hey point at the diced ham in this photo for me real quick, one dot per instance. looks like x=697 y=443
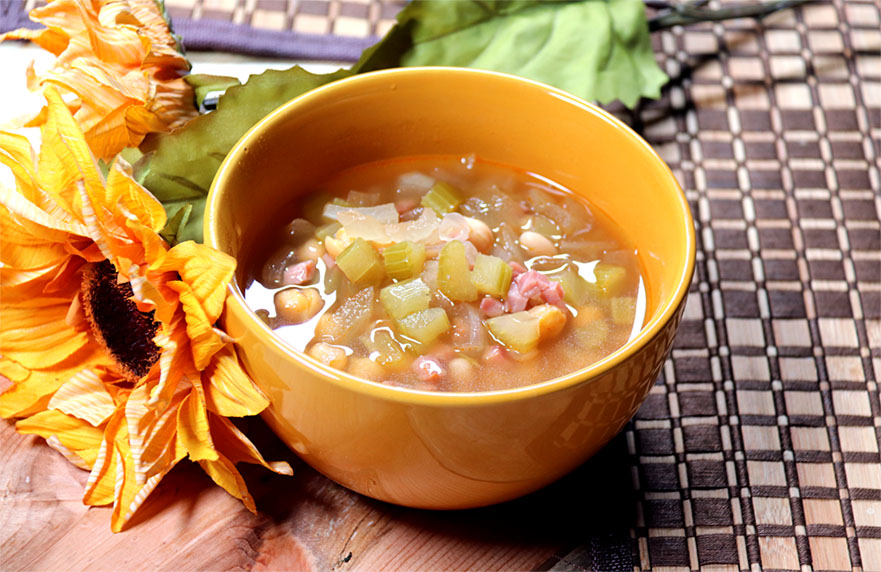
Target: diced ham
x=492 y=307
x=553 y=294
x=428 y=369
x=517 y=268
x=495 y=356
x=515 y=301
x=299 y=273
x=531 y=283
x=532 y=288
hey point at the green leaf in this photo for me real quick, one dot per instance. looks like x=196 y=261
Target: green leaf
x=174 y=225
x=203 y=84
x=178 y=167
x=596 y=49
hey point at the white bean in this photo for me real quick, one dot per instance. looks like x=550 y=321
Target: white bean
x=537 y=244
x=479 y=234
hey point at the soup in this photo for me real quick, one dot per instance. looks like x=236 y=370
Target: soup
x=443 y=273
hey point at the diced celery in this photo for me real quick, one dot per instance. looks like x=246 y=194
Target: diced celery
x=491 y=275
x=609 y=280
x=404 y=298
x=593 y=335
x=384 y=349
x=313 y=207
x=425 y=326
x=442 y=198
x=341 y=202
x=404 y=260
x=332 y=279
x=518 y=331
x=623 y=309
x=575 y=288
x=454 y=277
x=328 y=229
x=348 y=319
x=361 y=263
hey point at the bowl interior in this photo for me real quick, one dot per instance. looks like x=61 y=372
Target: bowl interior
x=454 y=111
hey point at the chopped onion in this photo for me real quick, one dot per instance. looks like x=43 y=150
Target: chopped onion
x=414 y=183
x=364 y=226
x=423 y=229
x=360 y=199
x=385 y=213
x=357 y=224
x=453 y=227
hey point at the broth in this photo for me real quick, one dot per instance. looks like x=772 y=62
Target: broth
x=445 y=273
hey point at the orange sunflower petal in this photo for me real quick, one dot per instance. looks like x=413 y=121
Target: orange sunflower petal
x=152 y=432
x=239 y=449
x=34 y=333
x=84 y=396
x=122 y=190
x=101 y=486
x=193 y=432
x=229 y=391
x=205 y=270
x=129 y=492
x=33 y=388
x=121 y=62
x=224 y=473
x=204 y=339
x=75 y=434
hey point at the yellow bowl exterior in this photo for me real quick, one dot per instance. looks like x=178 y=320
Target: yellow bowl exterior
x=452 y=450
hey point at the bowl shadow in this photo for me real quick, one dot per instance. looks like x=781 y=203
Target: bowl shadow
x=585 y=518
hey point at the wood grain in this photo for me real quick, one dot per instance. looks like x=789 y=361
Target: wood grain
x=306 y=522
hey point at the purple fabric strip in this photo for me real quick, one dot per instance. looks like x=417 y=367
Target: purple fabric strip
x=219 y=35
x=13 y=16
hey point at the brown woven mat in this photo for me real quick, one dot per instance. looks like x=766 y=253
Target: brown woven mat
x=759 y=446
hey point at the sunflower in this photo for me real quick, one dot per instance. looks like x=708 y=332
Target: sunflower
x=118 y=66
x=107 y=335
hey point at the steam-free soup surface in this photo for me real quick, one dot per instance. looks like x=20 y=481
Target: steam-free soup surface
x=448 y=274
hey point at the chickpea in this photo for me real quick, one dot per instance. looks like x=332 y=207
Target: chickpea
x=312 y=249
x=479 y=234
x=328 y=327
x=462 y=374
x=537 y=244
x=334 y=356
x=550 y=320
x=337 y=243
x=587 y=316
x=295 y=306
x=366 y=368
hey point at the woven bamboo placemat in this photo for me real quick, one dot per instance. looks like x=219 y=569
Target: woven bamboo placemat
x=758 y=448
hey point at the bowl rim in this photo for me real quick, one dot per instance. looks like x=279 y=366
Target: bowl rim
x=649 y=331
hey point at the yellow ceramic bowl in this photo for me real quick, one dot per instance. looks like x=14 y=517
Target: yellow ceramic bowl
x=452 y=450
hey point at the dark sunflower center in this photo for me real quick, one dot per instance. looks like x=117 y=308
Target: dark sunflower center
x=117 y=324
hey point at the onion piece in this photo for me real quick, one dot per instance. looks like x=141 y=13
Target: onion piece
x=423 y=229
x=414 y=182
x=384 y=213
x=364 y=226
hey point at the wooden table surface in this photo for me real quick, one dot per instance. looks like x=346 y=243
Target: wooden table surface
x=305 y=522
